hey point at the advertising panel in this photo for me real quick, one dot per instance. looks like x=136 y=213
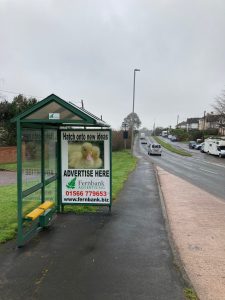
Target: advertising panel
x=86 y=173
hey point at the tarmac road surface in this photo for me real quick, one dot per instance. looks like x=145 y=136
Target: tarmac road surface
x=125 y=255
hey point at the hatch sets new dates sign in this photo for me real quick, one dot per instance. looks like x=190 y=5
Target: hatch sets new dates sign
x=86 y=167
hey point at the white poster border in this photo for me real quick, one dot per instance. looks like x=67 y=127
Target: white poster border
x=82 y=182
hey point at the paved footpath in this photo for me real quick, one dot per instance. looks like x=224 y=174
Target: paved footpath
x=7 y=177
x=197 y=224
x=124 y=256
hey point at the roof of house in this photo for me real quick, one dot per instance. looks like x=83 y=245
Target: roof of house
x=182 y=123
x=192 y=120
x=212 y=118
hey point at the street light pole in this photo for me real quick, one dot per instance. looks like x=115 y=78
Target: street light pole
x=132 y=126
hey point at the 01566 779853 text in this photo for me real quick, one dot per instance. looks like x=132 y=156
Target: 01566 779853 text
x=86 y=193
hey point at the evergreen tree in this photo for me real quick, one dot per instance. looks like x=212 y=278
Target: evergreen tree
x=7 y=112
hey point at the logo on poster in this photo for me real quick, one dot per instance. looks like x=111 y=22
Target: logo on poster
x=72 y=183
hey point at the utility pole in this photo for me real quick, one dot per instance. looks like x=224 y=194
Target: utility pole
x=177 y=120
x=204 y=126
x=132 y=126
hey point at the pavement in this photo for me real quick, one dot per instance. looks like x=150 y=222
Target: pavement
x=128 y=254
x=7 y=177
x=196 y=221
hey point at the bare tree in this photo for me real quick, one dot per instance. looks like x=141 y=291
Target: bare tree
x=219 y=107
x=129 y=119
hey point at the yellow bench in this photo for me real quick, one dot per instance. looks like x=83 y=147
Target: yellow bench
x=37 y=212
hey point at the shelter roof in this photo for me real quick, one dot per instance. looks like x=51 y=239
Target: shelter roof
x=54 y=110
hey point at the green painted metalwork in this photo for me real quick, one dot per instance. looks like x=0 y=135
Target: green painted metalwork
x=110 y=170
x=19 y=185
x=25 y=121
x=32 y=190
x=59 y=187
x=43 y=165
x=88 y=119
x=51 y=179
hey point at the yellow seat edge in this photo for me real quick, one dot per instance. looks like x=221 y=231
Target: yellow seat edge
x=46 y=205
x=34 y=214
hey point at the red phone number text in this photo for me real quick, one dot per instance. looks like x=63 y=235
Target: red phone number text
x=86 y=193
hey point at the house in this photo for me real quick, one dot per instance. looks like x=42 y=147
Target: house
x=182 y=125
x=209 y=121
x=192 y=123
x=221 y=125
x=213 y=121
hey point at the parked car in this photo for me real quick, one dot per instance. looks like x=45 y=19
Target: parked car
x=154 y=149
x=192 y=144
x=173 y=138
x=202 y=148
x=198 y=146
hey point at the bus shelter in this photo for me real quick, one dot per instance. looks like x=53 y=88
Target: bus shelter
x=63 y=157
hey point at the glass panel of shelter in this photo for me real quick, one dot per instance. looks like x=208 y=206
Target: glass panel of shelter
x=50 y=153
x=32 y=156
x=53 y=107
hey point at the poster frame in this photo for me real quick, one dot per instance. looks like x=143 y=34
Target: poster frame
x=62 y=204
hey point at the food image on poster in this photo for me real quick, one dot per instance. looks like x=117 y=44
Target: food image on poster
x=86 y=155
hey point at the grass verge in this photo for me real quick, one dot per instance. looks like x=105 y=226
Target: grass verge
x=190 y=294
x=8 y=212
x=8 y=167
x=122 y=164
x=171 y=148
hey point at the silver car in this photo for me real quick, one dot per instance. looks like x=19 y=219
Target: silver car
x=154 y=149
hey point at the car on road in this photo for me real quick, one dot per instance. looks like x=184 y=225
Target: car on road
x=173 y=138
x=198 y=146
x=192 y=144
x=143 y=138
x=143 y=141
x=154 y=149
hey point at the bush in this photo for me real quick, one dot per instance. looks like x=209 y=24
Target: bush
x=195 y=134
x=181 y=134
x=210 y=132
x=118 y=142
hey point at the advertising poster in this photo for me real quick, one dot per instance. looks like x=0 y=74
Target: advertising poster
x=86 y=167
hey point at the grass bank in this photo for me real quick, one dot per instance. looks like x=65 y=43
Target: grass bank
x=171 y=148
x=190 y=294
x=122 y=164
x=8 y=167
x=8 y=212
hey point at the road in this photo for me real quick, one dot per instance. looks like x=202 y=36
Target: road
x=202 y=170
x=124 y=255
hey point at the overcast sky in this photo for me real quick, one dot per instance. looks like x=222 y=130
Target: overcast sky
x=88 y=49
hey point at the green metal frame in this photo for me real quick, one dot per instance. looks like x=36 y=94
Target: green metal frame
x=88 y=120
x=23 y=237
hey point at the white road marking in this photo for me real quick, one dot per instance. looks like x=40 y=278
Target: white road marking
x=187 y=165
x=208 y=171
x=209 y=163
